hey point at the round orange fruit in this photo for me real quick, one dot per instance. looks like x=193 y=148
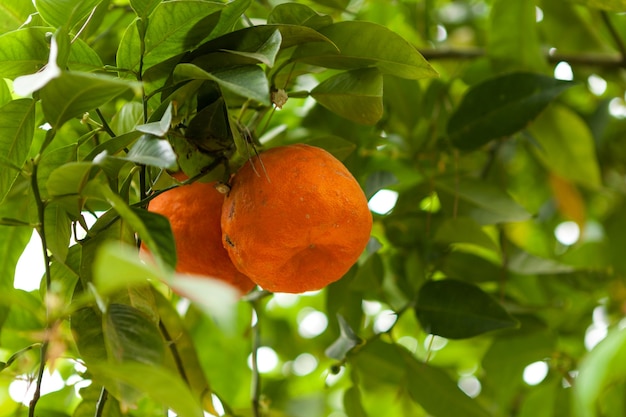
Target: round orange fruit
x=194 y=212
x=295 y=219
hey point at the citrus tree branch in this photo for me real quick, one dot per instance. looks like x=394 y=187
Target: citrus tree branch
x=619 y=43
x=603 y=60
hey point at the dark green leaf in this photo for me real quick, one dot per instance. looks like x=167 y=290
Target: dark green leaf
x=298 y=14
x=347 y=341
x=457 y=310
x=150 y=150
x=479 y=200
x=74 y=93
x=365 y=44
x=210 y=129
x=161 y=234
x=65 y=13
x=174 y=27
x=87 y=329
x=229 y=16
x=17 y=124
x=57 y=230
x=352 y=402
x=156 y=382
x=500 y=107
x=356 y=95
x=248 y=81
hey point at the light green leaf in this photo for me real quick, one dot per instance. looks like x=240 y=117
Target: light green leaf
x=513 y=36
x=174 y=27
x=479 y=200
x=524 y=263
x=356 y=95
x=5 y=93
x=501 y=106
x=159 y=128
x=150 y=150
x=17 y=127
x=566 y=146
x=298 y=14
x=610 y=5
x=117 y=267
x=458 y=310
x=26 y=51
x=15 y=13
x=58 y=232
x=248 y=81
x=158 y=383
x=352 y=402
x=65 y=13
x=69 y=179
x=364 y=44
x=74 y=93
x=601 y=370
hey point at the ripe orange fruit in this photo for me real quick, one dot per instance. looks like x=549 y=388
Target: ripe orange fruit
x=295 y=219
x=194 y=212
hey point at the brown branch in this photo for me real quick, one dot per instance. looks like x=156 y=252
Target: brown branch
x=604 y=60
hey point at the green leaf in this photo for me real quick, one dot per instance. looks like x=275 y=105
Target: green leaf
x=298 y=14
x=65 y=13
x=117 y=267
x=433 y=389
x=501 y=106
x=458 y=310
x=158 y=383
x=161 y=234
x=150 y=150
x=464 y=230
x=5 y=93
x=248 y=81
x=143 y=8
x=601 y=370
x=69 y=179
x=347 y=341
x=174 y=27
x=356 y=95
x=479 y=200
x=86 y=325
x=185 y=347
x=210 y=129
x=74 y=93
x=229 y=17
x=57 y=229
x=159 y=128
x=15 y=13
x=610 y=5
x=131 y=336
x=364 y=44
x=513 y=37
x=566 y=146
x=17 y=127
x=26 y=51
x=352 y=402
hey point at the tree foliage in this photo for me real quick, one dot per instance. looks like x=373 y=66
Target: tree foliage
x=497 y=125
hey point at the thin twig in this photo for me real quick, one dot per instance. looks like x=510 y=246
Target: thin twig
x=256 y=376
x=105 y=125
x=619 y=43
x=102 y=400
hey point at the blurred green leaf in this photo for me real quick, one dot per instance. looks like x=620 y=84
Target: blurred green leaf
x=456 y=310
x=298 y=14
x=65 y=13
x=566 y=146
x=247 y=81
x=501 y=106
x=365 y=44
x=464 y=230
x=347 y=341
x=156 y=382
x=514 y=42
x=143 y=8
x=26 y=51
x=601 y=370
x=15 y=13
x=5 y=93
x=86 y=324
x=352 y=402
x=356 y=95
x=150 y=150
x=17 y=124
x=610 y=5
x=74 y=93
x=174 y=27
x=479 y=200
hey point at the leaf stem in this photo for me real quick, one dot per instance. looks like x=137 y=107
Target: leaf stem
x=104 y=396
x=48 y=279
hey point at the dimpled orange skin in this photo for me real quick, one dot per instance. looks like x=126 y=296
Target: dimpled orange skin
x=194 y=212
x=295 y=219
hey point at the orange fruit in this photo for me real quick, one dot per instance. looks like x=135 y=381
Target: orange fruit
x=295 y=219
x=194 y=212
